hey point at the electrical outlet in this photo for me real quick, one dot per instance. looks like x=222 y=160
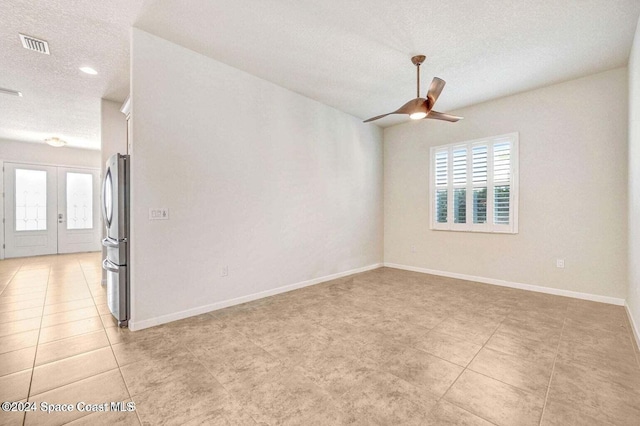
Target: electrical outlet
x=413 y=248
x=224 y=271
x=159 y=214
x=559 y=263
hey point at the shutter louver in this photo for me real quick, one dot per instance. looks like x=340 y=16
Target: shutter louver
x=501 y=181
x=459 y=183
x=442 y=158
x=442 y=181
x=460 y=166
x=479 y=166
x=501 y=162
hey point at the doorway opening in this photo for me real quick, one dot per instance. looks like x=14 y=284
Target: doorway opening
x=50 y=210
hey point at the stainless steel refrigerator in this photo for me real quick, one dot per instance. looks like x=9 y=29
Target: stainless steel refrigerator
x=115 y=212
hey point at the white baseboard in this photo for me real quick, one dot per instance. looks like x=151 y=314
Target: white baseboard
x=139 y=325
x=521 y=286
x=634 y=326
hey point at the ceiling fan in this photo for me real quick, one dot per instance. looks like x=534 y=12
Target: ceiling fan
x=422 y=107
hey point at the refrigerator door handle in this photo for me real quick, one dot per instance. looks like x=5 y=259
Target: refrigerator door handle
x=102 y=200
x=108 y=242
x=105 y=208
x=108 y=266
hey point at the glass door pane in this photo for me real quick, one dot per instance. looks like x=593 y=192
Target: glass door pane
x=31 y=200
x=30 y=207
x=79 y=200
x=78 y=221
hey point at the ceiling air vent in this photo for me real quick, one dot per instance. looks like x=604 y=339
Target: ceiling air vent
x=35 y=44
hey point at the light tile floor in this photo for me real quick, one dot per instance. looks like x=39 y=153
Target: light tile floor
x=383 y=347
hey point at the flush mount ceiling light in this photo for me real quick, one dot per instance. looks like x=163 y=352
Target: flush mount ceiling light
x=88 y=70
x=10 y=92
x=56 y=142
x=419 y=108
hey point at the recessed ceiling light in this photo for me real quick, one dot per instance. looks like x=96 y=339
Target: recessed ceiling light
x=89 y=70
x=57 y=142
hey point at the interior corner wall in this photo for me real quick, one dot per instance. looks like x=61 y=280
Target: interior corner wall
x=281 y=189
x=573 y=190
x=633 y=297
x=113 y=130
x=113 y=140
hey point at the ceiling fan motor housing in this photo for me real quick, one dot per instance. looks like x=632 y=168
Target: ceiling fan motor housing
x=418 y=59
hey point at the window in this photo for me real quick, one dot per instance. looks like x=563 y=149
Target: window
x=474 y=185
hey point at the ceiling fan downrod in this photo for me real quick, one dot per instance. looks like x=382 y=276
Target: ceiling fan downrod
x=417 y=61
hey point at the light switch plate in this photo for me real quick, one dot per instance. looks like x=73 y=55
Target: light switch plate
x=159 y=214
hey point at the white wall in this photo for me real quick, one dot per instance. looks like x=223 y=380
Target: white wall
x=573 y=189
x=113 y=140
x=633 y=297
x=113 y=130
x=26 y=152
x=280 y=188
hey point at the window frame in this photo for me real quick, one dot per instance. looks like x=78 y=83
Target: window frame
x=489 y=226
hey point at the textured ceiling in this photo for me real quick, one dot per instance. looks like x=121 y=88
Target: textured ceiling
x=58 y=99
x=353 y=55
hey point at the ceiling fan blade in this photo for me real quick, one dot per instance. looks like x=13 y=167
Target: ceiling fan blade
x=378 y=117
x=442 y=116
x=437 y=84
x=408 y=108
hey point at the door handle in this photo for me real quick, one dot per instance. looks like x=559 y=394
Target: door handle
x=60 y=218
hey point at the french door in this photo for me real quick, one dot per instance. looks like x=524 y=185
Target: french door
x=50 y=210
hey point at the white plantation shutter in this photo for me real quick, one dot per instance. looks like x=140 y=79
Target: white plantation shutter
x=460 y=184
x=479 y=166
x=501 y=179
x=441 y=198
x=442 y=166
x=460 y=166
x=474 y=185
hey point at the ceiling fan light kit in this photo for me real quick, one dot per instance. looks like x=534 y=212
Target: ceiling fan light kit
x=420 y=108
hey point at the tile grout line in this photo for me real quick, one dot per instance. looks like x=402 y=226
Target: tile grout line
x=74 y=320
x=35 y=355
x=104 y=330
x=218 y=381
x=427 y=353
x=10 y=279
x=553 y=369
x=24 y=415
x=467 y=368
